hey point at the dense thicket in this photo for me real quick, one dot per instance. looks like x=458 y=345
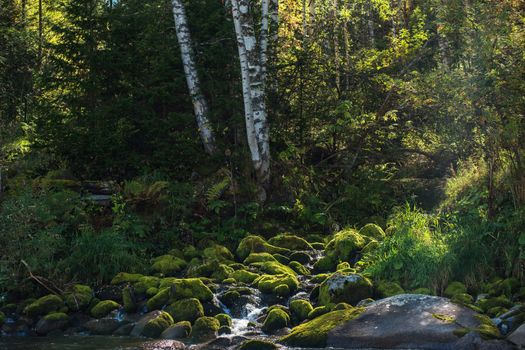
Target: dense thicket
x=373 y=105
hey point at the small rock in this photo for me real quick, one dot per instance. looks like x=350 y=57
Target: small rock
x=163 y=345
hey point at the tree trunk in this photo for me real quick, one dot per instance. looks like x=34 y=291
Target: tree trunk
x=200 y=106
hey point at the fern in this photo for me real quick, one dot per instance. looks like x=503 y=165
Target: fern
x=215 y=192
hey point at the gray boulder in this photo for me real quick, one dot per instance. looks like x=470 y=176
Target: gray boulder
x=102 y=326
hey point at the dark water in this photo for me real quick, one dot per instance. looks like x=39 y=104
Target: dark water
x=70 y=343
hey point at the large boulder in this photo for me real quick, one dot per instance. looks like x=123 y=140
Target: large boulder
x=344 y=288
x=345 y=244
x=291 y=242
x=257 y=244
x=102 y=326
x=52 y=322
x=408 y=321
x=46 y=304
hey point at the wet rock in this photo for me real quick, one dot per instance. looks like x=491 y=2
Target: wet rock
x=139 y=326
x=275 y=320
x=102 y=326
x=179 y=330
x=257 y=344
x=103 y=308
x=205 y=328
x=163 y=345
x=155 y=326
x=220 y=343
x=406 y=321
x=473 y=341
x=518 y=336
x=186 y=310
x=124 y=329
x=52 y=322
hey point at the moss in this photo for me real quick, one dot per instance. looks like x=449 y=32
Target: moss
x=257 y=344
x=299 y=268
x=291 y=242
x=222 y=272
x=244 y=276
x=455 y=288
x=128 y=300
x=282 y=291
x=487 y=329
x=2 y=318
x=168 y=265
x=344 y=288
x=218 y=253
x=230 y=297
x=79 y=297
x=185 y=325
x=186 y=310
x=151 y=292
x=156 y=326
x=301 y=257
x=320 y=278
x=370 y=246
x=318 y=311
x=462 y=299
x=278 y=306
x=183 y=288
x=144 y=283
x=343 y=306
x=224 y=330
x=388 y=289
x=273 y=268
x=444 y=318
x=160 y=299
x=124 y=277
x=424 y=291
x=224 y=319
x=344 y=265
x=372 y=231
x=461 y=331
x=496 y=311
x=344 y=244
x=44 y=305
x=257 y=244
x=267 y=283
x=205 y=327
x=300 y=309
x=229 y=280
x=325 y=264
x=191 y=252
x=314 y=333
x=103 y=308
x=281 y=258
x=489 y=303
x=275 y=320
x=56 y=316
x=259 y=257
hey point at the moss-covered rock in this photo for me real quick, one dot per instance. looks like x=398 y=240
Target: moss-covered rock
x=318 y=245
x=299 y=268
x=257 y=244
x=258 y=257
x=124 y=277
x=78 y=297
x=281 y=258
x=157 y=325
x=218 y=253
x=160 y=299
x=372 y=231
x=454 y=288
x=370 y=246
x=144 y=283
x=268 y=283
x=168 y=265
x=230 y=297
x=497 y=311
x=299 y=310
x=182 y=288
x=291 y=242
x=150 y=292
x=224 y=319
x=186 y=310
x=320 y=278
x=257 y=344
x=128 y=299
x=489 y=303
x=506 y=287
x=222 y=272
x=46 y=304
x=325 y=264
x=345 y=244
x=229 y=280
x=387 y=289
x=103 y=308
x=282 y=291
x=344 y=288
x=314 y=333
x=275 y=320
x=52 y=322
x=301 y=257
x=318 y=311
x=342 y=306
x=273 y=268
x=486 y=328
x=462 y=299
x=205 y=328
x=191 y=252
x=244 y=276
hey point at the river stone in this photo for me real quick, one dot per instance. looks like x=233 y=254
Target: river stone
x=163 y=345
x=405 y=321
x=102 y=326
x=518 y=336
x=139 y=326
x=46 y=326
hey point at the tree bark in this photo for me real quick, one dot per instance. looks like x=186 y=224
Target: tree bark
x=200 y=105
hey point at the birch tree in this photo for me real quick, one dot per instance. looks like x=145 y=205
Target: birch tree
x=200 y=105
x=253 y=58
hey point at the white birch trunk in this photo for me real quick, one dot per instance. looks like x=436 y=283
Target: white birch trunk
x=200 y=106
